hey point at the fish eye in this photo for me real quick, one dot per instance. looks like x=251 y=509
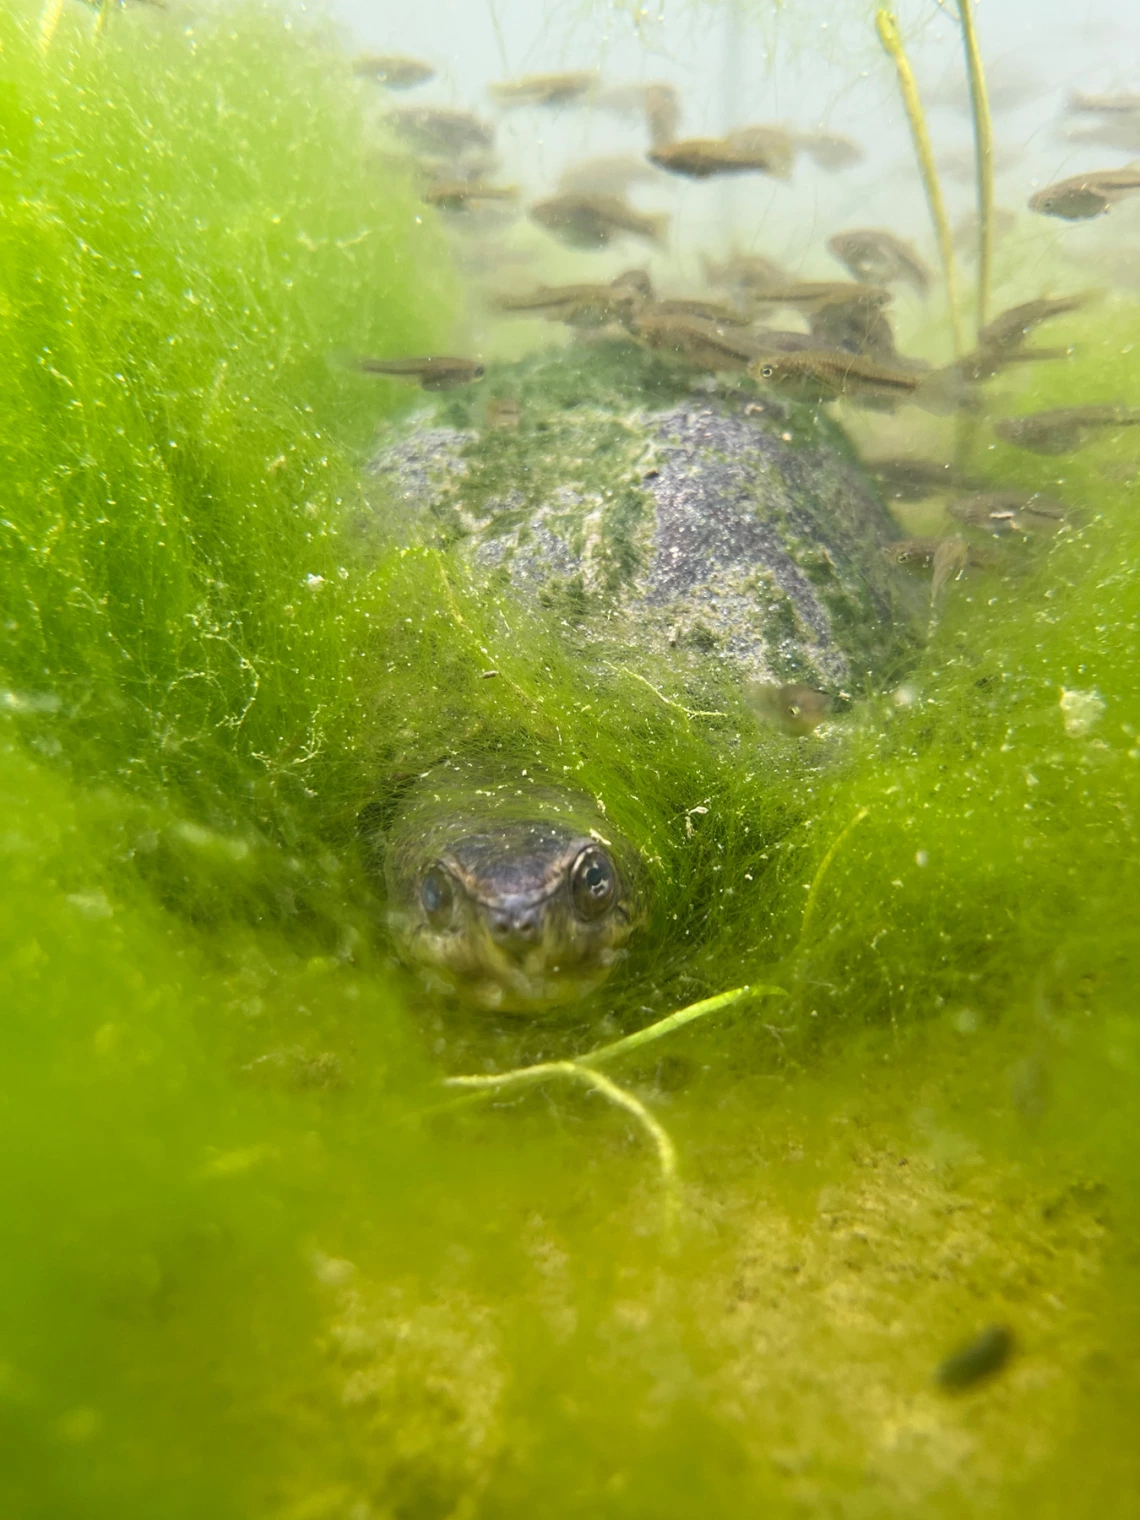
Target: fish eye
x=593 y=884
x=767 y=372
x=437 y=896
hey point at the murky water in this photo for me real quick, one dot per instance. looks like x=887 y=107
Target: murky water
x=568 y=942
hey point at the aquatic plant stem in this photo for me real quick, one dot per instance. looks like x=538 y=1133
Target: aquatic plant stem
x=824 y=866
x=663 y=1144
x=983 y=156
x=690 y=712
x=581 y=1069
x=677 y=1020
x=886 y=24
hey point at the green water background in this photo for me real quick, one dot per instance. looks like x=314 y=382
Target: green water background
x=243 y=1273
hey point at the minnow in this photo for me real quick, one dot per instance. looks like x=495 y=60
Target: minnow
x=977 y=1360
x=558 y=89
x=1104 y=105
x=983 y=363
x=1121 y=132
x=1009 y=330
x=702 y=344
x=581 y=305
x=811 y=295
x=593 y=221
x=1001 y=342
x=502 y=414
x=443 y=132
x=795 y=709
x=433 y=372
x=828 y=149
x=859 y=329
x=708 y=311
x=1086 y=195
x=912 y=551
x=914 y=479
x=948 y=558
x=743 y=152
x=820 y=375
x=459 y=195
x=1009 y=511
x=393 y=70
x=1063 y=429
x=875 y=256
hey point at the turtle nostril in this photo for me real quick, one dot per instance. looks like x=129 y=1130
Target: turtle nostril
x=517 y=925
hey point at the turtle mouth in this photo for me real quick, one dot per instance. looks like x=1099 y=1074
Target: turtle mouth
x=521 y=920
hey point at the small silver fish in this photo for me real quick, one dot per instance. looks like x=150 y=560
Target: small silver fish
x=821 y=374
x=1009 y=329
x=751 y=150
x=946 y=558
x=558 y=89
x=462 y=195
x=859 y=329
x=1121 y=132
x=1086 y=195
x=1063 y=429
x=447 y=133
x=1104 y=105
x=828 y=150
x=914 y=479
x=795 y=709
x=393 y=70
x=502 y=414
x=979 y=1359
x=1009 y=511
x=1002 y=340
x=708 y=311
x=704 y=345
x=813 y=295
x=581 y=305
x=593 y=221
x=432 y=372
x=877 y=257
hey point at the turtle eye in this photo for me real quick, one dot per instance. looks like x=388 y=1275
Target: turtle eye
x=437 y=895
x=593 y=883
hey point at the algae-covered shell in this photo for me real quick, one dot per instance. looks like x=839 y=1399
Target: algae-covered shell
x=681 y=525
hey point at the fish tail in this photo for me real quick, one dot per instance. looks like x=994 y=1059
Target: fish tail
x=945 y=391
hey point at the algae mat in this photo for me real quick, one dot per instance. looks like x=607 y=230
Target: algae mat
x=254 y=1262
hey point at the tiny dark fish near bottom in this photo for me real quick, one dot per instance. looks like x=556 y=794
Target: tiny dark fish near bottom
x=976 y=1361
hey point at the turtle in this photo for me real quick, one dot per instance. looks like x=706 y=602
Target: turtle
x=705 y=537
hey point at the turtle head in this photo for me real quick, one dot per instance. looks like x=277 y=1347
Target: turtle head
x=519 y=914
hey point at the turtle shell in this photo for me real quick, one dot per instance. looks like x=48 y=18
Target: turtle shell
x=664 y=516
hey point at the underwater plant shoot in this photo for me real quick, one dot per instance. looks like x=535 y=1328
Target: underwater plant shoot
x=570 y=735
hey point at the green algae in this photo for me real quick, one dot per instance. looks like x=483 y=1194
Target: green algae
x=257 y=1261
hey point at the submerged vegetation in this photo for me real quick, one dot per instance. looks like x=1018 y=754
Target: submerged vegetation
x=261 y=1260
